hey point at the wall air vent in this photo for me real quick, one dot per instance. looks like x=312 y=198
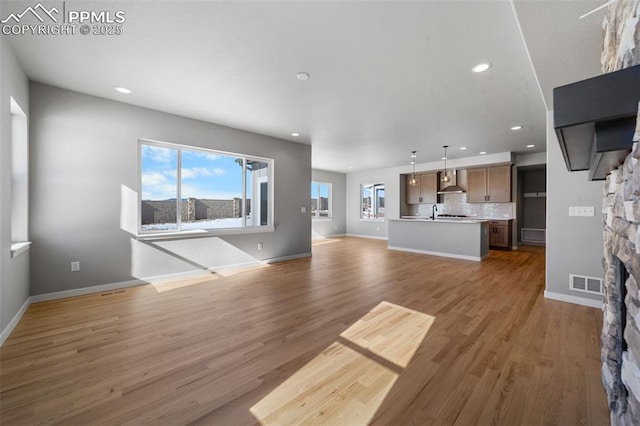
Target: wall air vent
x=585 y=284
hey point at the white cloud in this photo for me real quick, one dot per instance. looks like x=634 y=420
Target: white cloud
x=158 y=154
x=153 y=179
x=199 y=154
x=159 y=192
x=194 y=172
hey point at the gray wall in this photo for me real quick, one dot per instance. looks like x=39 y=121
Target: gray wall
x=84 y=153
x=574 y=244
x=337 y=225
x=14 y=273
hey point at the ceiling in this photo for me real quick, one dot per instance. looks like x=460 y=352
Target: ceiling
x=386 y=77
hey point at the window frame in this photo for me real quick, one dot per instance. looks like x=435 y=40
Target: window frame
x=181 y=233
x=20 y=170
x=317 y=216
x=374 y=203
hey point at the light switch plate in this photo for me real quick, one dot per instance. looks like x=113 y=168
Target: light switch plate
x=582 y=211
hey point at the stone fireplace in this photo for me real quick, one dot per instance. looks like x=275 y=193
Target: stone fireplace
x=621 y=231
x=621 y=324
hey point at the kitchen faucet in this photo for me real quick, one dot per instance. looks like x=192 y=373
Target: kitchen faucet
x=434 y=209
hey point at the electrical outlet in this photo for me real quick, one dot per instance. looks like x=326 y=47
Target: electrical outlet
x=303 y=209
x=260 y=246
x=582 y=211
x=75 y=266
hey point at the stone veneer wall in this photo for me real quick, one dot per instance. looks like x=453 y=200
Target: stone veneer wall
x=191 y=210
x=621 y=368
x=621 y=27
x=621 y=228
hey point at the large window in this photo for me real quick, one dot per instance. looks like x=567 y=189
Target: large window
x=321 y=200
x=186 y=188
x=19 y=175
x=372 y=199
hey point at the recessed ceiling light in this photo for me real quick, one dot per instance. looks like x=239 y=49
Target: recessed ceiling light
x=123 y=90
x=302 y=76
x=462 y=148
x=530 y=146
x=516 y=128
x=350 y=167
x=295 y=135
x=483 y=152
x=481 y=67
x=443 y=158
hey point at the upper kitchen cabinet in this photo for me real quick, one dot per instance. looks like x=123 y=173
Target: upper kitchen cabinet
x=425 y=191
x=489 y=184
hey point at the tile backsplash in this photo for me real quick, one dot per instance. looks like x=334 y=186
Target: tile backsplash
x=457 y=204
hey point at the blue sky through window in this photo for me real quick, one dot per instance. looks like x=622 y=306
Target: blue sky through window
x=204 y=175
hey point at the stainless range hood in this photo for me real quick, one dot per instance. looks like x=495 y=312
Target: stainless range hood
x=453 y=187
x=595 y=119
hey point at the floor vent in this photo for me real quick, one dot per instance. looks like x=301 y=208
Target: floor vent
x=586 y=284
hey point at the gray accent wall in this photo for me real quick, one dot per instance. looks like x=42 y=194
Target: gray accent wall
x=84 y=182
x=14 y=272
x=337 y=225
x=574 y=244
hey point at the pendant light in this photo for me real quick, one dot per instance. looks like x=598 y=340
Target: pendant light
x=445 y=177
x=413 y=181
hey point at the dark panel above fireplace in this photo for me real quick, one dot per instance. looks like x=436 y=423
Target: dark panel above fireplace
x=594 y=120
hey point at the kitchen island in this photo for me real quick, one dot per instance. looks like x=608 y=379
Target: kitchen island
x=462 y=239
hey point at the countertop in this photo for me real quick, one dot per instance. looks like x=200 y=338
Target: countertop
x=443 y=220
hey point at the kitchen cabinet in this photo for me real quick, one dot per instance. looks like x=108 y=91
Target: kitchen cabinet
x=500 y=234
x=425 y=191
x=489 y=184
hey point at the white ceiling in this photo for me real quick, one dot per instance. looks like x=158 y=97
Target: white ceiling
x=386 y=77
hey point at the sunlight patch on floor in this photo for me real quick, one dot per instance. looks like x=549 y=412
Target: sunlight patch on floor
x=349 y=380
x=227 y=272
x=320 y=242
x=163 y=286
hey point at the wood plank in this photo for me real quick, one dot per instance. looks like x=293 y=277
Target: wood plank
x=354 y=335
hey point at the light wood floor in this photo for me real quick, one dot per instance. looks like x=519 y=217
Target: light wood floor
x=355 y=335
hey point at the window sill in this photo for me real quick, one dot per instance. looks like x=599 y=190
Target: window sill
x=202 y=233
x=322 y=219
x=362 y=219
x=18 y=248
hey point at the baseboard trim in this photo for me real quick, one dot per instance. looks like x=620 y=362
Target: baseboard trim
x=437 y=253
x=366 y=236
x=124 y=284
x=86 y=290
x=14 y=321
x=573 y=299
x=285 y=258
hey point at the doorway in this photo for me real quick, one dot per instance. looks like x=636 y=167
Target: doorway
x=532 y=205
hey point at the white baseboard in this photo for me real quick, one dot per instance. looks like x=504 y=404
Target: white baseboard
x=14 y=321
x=285 y=258
x=86 y=290
x=437 y=253
x=366 y=236
x=124 y=284
x=573 y=299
